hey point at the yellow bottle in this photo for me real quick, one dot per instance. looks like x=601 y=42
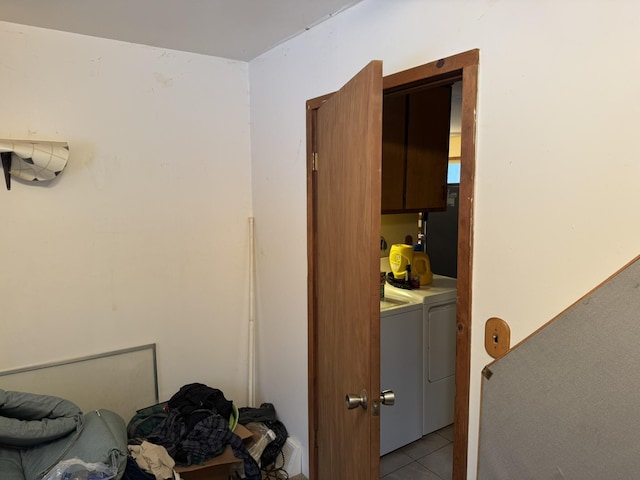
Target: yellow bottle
x=421 y=266
x=400 y=256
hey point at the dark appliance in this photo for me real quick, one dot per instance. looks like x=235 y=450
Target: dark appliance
x=442 y=236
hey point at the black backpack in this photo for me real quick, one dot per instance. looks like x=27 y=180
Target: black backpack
x=145 y=420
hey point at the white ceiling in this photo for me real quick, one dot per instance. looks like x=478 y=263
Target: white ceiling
x=235 y=29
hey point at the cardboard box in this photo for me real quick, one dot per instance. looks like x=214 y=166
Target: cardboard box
x=216 y=468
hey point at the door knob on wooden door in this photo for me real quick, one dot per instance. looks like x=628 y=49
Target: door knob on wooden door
x=355 y=401
x=387 y=397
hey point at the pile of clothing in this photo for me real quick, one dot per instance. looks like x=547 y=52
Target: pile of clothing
x=195 y=425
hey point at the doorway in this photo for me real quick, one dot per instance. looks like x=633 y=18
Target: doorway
x=462 y=67
x=409 y=446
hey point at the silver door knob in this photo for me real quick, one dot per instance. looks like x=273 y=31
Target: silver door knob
x=355 y=401
x=387 y=397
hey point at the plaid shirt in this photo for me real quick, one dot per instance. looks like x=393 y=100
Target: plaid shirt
x=207 y=438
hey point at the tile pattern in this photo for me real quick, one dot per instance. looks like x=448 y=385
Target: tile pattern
x=429 y=458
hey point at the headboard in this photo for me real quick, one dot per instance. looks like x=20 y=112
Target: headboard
x=121 y=380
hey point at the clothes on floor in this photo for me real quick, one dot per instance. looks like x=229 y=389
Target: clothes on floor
x=153 y=458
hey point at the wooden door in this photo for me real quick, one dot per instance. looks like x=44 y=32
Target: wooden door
x=343 y=229
x=345 y=140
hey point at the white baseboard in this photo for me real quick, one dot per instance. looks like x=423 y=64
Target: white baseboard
x=292 y=451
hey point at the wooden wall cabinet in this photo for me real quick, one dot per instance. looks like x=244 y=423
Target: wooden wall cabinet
x=415 y=150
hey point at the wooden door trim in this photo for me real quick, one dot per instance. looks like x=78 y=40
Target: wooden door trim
x=312 y=302
x=430 y=73
x=461 y=66
x=465 y=268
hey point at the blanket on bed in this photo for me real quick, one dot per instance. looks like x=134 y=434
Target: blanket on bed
x=27 y=419
x=38 y=431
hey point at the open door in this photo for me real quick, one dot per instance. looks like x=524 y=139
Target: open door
x=344 y=185
x=344 y=152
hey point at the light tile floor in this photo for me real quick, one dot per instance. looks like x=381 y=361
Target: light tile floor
x=429 y=458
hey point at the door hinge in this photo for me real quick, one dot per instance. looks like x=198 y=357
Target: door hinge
x=314 y=162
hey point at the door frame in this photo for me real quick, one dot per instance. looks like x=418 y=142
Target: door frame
x=464 y=67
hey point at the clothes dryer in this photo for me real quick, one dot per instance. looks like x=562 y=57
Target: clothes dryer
x=438 y=350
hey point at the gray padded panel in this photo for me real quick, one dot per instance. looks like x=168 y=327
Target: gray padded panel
x=122 y=381
x=566 y=402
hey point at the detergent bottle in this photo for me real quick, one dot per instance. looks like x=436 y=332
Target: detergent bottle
x=400 y=256
x=421 y=266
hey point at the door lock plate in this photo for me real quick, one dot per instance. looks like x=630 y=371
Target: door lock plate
x=497 y=337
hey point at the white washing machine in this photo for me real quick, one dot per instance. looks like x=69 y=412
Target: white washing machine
x=401 y=371
x=438 y=349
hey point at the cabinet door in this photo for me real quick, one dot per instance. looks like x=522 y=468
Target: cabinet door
x=394 y=137
x=429 y=117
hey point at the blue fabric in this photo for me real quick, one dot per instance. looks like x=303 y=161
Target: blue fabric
x=134 y=472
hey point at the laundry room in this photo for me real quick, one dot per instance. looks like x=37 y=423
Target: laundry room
x=418 y=268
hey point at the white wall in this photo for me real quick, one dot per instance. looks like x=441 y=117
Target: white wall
x=557 y=193
x=144 y=236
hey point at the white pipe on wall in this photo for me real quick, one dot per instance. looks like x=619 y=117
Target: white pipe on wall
x=252 y=320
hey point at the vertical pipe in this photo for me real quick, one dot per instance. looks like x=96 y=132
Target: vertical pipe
x=252 y=320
